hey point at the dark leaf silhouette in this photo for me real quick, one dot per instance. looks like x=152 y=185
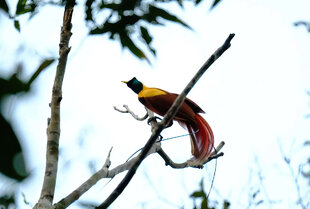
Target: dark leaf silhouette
x=12 y=162
x=17 y=25
x=127 y=42
x=128 y=20
x=158 y=12
x=4 y=6
x=42 y=66
x=7 y=201
x=215 y=3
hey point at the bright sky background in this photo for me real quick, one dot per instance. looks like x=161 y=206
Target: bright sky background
x=254 y=97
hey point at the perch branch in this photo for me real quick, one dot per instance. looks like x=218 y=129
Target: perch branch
x=186 y=164
x=53 y=130
x=166 y=120
x=77 y=193
x=104 y=172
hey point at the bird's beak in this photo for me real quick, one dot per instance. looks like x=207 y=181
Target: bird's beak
x=125 y=81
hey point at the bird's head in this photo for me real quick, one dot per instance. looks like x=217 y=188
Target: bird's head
x=134 y=84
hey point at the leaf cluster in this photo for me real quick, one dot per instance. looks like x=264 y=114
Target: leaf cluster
x=125 y=21
x=201 y=195
x=23 y=7
x=12 y=162
x=128 y=20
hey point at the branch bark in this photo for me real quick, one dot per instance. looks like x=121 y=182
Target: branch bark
x=186 y=164
x=166 y=120
x=131 y=113
x=105 y=172
x=53 y=130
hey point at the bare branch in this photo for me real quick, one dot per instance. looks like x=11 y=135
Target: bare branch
x=53 y=130
x=127 y=110
x=287 y=160
x=188 y=163
x=104 y=172
x=77 y=193
x=166 y=120
x=218 y=148
x=130 y=165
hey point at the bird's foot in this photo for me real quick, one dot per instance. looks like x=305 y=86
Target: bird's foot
x=153 y=119
x=160 y=138
x=195 y=163
x=169 y=124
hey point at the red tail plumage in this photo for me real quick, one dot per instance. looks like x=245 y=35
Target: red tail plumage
x=202 y=138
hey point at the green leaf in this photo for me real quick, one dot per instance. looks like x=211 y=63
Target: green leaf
x=197 y=2
x=180 y=2
x=97 y=30
x=12 y=86
x=20 y=7
x=89 y=10
x=12 y=162
x=226 y=204
x=44 y=64
x=127 y=42
x=4 y=6
x=17 y=25
x=215 y=3
x=119 y=27
x=158 y=12
x=7 y=201
x=204 y=204
x=198 y=194
x=145 y=35
x=23 y=8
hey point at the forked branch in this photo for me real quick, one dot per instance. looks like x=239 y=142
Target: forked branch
x=150 y=147
x=214 y=155
x=166 y=120
x=127 y=110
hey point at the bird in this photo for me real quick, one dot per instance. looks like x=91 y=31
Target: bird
x=159 y=101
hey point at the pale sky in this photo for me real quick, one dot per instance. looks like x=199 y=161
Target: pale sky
x=254 y=97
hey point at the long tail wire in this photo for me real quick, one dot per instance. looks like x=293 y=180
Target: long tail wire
x=161 y=140
x=183 y=135
x=174 y=137
x=213 y=177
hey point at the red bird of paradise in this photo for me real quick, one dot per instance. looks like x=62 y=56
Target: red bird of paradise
x=159 y=101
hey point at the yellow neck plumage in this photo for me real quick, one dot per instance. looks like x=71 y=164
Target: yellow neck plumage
x=150 y=92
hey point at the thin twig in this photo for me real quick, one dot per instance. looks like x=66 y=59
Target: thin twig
x=166 y=120
x=287 y=160
x=53 y=130
x=127 y=110
x=104 y=172
x=186 y=164
x=77 y=193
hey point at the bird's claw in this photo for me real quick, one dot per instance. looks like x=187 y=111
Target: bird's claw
x=169 y=124
x=160 y=138
x=153 y=119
